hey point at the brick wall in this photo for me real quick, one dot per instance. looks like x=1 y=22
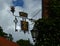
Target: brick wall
x=45 y=8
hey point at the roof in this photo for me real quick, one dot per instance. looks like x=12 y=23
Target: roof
x=5 y=42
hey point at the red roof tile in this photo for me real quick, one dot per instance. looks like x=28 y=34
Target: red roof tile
x=5 y=42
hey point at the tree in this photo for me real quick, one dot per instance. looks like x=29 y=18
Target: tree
x=48 y=33
x=3 y=34
x=24 y=43
x=10 y=37
x=54 y=8
x=49 y=29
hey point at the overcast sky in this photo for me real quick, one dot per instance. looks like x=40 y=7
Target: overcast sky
x=6 y=18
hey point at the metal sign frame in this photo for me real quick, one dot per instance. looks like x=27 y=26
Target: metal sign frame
x=23 y=14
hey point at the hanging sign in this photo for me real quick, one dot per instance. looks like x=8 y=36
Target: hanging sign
x=24 y=25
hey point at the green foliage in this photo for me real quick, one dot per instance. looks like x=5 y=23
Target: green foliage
x=49 y=32
x=54 y=8
x=49 y=29
x=24 y=43
x=10 y=37
x=3 y=34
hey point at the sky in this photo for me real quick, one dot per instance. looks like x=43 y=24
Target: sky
x=6 y=18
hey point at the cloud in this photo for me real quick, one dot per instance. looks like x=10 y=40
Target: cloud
x=4 y=12
x=5 y=2
x=6 y=20
x=31 y=7
x=6 y=17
